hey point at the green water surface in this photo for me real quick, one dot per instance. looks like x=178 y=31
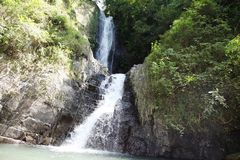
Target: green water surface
x=25 y=152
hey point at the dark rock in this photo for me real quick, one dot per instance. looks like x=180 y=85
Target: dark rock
x=235 y=156
x=103 y=136
x=45 y=106
x=123 y=132
x=81 y=105
x=152 y=138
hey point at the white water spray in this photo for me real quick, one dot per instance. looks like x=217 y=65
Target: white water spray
x=113 y=86
x=106 y=34
x=101 y=4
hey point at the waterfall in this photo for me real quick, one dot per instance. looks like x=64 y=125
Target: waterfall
x=112 y=88
x=106 y=37
x=113 y=91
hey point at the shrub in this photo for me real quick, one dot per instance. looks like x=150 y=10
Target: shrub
x=193 y=70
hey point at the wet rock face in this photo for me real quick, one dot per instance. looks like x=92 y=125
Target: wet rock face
x=127 y=135
x=152 y=138
x=112 y=132
x=83 y=104
x=122 y=132
x=40 y=121
x=45 y=107
x=103 y=136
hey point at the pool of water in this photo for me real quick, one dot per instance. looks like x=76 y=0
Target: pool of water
x=25 y=152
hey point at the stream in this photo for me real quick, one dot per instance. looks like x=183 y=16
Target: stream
x=25 y=152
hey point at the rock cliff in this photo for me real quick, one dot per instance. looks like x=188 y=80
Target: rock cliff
x=41 y=104
x=143 y=132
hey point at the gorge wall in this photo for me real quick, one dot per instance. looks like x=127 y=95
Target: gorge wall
x=41 y=99
x=182 y=102
x=137 y=128
x=185 y=96
x=147 y=132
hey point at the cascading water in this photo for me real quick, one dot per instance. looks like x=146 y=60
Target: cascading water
x=113 y=90
x=112 y=86
x=106 y=37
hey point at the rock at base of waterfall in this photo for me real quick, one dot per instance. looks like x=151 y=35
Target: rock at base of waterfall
x=149 y=135
x=96 y=130
x=10 y=140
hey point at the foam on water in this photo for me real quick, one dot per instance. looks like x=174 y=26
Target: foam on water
x=113 y=91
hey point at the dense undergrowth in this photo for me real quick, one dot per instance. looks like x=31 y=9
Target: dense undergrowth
x=194 y=69
x=39 y=42
x=38 y=31
x=192 y=72
x=139 y=23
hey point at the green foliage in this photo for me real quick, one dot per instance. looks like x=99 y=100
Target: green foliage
x=92 y=30
x=42 y=30
x=39 y=40
x=231 y=10
x=142 y=21
x=64 y=32
x=200 y=24
x=233 y=49
x=193 y=67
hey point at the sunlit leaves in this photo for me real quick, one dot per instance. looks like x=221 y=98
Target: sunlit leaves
x=195 y=56
x=233 y=49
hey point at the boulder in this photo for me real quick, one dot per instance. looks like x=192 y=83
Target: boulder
x=30 y=140
x=35 y=125
x=43 y=112
x=10 y=140
x=11 y=132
